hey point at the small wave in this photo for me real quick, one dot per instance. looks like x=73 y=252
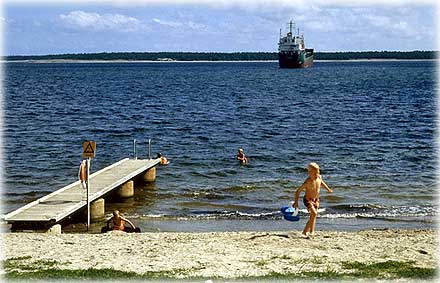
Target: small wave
x=205 y=195
x=378 y=216
x=379 y=212
x=351 y=207
x=242 y=188
x=120 y=134
x=333 y=198
x=198 y=204
x=231 y=212
x=152 y=216
x=27 y=194
x=238 y=215
x=226 y=215
x=208 y=175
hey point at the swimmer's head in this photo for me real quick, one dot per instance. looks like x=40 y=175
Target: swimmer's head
x=116 y=213
x=240 y=150
x=313 y=167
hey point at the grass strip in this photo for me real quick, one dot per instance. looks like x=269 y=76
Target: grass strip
x=16 y=268
x=389 y=269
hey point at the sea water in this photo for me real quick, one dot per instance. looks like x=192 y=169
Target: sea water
x=369 y=125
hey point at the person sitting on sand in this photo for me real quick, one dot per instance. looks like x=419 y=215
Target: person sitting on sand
x=118 y=223
x=311 y=186
x=163 y=159
x=241 y=157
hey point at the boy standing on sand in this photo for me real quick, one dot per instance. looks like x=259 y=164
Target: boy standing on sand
x=312 y=186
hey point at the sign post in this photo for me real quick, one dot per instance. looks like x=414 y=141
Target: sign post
x=89 y=149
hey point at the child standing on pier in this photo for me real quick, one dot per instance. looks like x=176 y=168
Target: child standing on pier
x=82 y=172
x=311 y=186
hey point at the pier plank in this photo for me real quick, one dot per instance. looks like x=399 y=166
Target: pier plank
x=60 y=204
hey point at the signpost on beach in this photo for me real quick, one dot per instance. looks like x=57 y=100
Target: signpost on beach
x=89 y=149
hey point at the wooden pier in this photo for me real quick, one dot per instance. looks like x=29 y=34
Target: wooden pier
x=61 y=204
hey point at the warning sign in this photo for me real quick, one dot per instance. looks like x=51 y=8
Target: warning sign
x=89 y=149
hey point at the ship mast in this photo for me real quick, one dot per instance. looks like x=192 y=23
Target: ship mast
x=291 y=25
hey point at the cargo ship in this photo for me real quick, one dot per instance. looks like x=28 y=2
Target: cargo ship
x=292 y=52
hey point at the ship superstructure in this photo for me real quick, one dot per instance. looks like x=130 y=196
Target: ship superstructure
x=292 y=52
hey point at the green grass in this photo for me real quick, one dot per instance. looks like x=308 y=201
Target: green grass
x=25 y=268
x=389 y=269
x=357 y=270
x=92 y=274
x=55 y=273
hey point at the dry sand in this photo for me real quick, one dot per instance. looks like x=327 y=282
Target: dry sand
x=223 y=254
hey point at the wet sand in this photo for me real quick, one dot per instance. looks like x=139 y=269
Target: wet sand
x=223 y=254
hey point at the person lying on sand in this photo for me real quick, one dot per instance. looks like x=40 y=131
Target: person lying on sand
x=311 y=186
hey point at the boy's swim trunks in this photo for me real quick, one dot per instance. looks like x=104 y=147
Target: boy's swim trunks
x=310 y=202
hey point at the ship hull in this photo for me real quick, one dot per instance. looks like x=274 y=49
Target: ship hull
x=298 y=59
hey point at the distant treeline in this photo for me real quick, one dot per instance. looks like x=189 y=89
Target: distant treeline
x=236 y=56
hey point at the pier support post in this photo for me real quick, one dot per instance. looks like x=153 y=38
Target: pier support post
x=97 y=209
x=150 y=175
x=55 y=229
x=126 y=190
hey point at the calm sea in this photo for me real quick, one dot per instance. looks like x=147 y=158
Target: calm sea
x=370 y=126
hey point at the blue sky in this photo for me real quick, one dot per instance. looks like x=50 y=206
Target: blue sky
x=54 y=27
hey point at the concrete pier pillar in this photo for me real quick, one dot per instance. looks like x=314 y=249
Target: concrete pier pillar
x=56 y=229
x=150 y=175
x=97 y=209
x=126 y=190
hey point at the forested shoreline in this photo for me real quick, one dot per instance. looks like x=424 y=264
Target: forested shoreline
x=223 y=56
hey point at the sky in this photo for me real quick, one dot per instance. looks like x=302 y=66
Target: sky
x=58 y=27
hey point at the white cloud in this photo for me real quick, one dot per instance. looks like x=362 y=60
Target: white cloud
x=95 y=21
x=196 y=26
x=251 y=4
x=393 y=26
x=189 y=24
x=320 y=26
x=167 y=23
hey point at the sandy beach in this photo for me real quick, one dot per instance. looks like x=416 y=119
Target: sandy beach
x=222 y=255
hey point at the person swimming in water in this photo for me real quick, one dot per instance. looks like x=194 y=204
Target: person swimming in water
x=241 y=157
x=163 y=159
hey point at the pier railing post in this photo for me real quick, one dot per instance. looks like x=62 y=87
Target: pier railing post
x=88 y=190
x=149 y=148
x=134 y=150
x=89 y=149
